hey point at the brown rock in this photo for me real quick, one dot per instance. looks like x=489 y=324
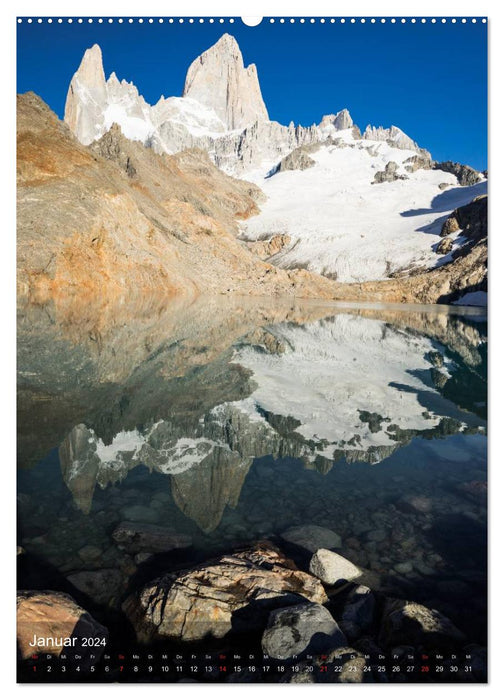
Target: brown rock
x=272 y=246
x=450 y=226
x=444 y=246
x=47 y=620
x=234 y=593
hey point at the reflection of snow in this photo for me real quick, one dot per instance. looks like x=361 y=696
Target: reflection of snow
x=186 y=453
x=125 y=441
x=333 y=370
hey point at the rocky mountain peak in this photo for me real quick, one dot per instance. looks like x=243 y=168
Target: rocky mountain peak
x=90 y=71
x=219 y=80
x=87 y=96
x=341 y=120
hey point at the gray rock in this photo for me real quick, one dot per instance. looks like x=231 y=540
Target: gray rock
x=312 y=537
x=101 y=586
x=389 y=174
x=144 y=537
x=465 y=175
x=332 y=568
x=358 y=612
x=413 y=624
x=305 y=628
x=298 y=159
x=417 y=162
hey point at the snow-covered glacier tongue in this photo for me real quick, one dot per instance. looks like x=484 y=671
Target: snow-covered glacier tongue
x=358 y=209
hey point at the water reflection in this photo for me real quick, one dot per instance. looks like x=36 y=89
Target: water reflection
x=197 y=393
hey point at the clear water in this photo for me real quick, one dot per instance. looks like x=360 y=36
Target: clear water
x=233 y=422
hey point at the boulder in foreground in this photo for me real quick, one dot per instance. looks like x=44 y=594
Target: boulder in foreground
x=47 y=620
x=231 y=594
x=332 y=568
x=301 y=629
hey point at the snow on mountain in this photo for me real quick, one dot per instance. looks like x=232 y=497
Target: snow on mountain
x=344 y=224
x=355 y=211
x=395 y=136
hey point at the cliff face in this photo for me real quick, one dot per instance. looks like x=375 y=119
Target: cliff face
x=218 y=79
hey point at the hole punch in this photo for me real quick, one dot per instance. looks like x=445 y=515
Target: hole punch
x=252 y=21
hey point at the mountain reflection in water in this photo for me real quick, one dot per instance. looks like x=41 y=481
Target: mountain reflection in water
x=233 y=419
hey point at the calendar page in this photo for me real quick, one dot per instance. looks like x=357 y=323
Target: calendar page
x=252 y=349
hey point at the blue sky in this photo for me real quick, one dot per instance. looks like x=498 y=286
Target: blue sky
x=428 y=79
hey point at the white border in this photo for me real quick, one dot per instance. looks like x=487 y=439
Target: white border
x=228 y=8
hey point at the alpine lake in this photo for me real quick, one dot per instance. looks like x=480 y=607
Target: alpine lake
x=228 y=421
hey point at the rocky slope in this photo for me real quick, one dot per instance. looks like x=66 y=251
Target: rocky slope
x=352 y=207
x=358 y=210
x=119 y=215
x=116 y=214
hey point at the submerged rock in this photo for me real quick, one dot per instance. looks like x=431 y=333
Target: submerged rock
x=102 y=585
x=404 y=622
x=301 y=629
x=231 y=594
x=144 y=537
x=332 y=568
x=358 y=612
x=312 y=537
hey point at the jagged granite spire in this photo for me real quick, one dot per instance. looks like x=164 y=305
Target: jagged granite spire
x=87 y=96
x=219 y=80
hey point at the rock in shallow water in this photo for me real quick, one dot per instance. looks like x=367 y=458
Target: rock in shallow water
x=332 y=568
x=404 y=622
x=312 y=537
x=305 y=628
x=144 y=537
x=358 y=612
x=231 y=594
x=102 y=586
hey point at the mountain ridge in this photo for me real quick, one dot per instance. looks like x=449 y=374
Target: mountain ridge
x=221 y=110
